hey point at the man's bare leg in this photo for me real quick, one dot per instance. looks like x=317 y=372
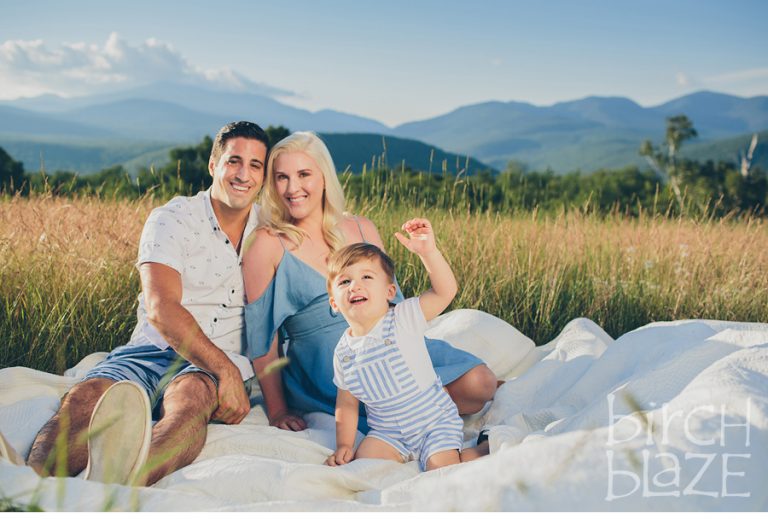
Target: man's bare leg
x=64 y=438
x=179 y=435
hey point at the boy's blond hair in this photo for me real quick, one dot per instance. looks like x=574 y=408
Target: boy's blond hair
x=352 y=254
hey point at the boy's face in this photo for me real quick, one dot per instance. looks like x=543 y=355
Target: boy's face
x=361 y=292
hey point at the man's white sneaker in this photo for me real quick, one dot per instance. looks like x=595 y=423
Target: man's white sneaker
x=8 y=452
x=119 y=435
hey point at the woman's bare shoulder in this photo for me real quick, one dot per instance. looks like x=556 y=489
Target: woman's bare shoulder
x=354 y=225
x=263 y=244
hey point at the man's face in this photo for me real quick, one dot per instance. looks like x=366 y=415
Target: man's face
x=239 y=173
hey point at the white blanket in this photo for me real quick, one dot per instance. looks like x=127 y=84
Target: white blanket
x=561 y=435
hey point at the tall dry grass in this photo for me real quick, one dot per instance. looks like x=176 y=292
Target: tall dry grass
x=67 y=282
x=68 y=285
x=539 y=272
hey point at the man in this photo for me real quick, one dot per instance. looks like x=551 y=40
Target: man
x=185 y=350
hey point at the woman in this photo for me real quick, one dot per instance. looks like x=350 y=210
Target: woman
x=284 y=269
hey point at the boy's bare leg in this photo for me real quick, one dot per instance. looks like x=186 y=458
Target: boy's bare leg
x=179 y=435
x=67 y=430
x=473 y=453
x=443 y=459
x=378 y=449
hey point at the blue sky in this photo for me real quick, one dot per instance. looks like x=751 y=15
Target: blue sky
x=394 y=61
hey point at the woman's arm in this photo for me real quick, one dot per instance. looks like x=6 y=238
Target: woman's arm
x=272 y=390
x=260 y=261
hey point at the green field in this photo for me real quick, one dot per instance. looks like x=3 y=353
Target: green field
x=68 y=285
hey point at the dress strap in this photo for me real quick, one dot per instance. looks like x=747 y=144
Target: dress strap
x=360 y=228
x=282 y=242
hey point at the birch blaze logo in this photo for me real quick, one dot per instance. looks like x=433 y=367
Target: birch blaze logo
x=660 y=468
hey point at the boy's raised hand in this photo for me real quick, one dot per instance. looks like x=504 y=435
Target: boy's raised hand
x=421 y=239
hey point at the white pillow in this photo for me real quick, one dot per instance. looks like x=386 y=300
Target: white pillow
x=496 y=342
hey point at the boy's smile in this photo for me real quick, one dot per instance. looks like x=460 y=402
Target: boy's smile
x=362 y=292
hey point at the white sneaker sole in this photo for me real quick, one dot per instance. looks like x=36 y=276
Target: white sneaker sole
x=8 y=452
x=119 y=434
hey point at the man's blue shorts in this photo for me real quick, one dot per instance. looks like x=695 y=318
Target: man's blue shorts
x=149 y=366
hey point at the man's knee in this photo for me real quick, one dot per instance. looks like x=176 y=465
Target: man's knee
x=85 y=394
x=191 y=391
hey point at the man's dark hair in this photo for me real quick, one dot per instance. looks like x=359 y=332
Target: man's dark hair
x=237 y=129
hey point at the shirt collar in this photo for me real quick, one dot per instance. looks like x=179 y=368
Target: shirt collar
x=376 y=334
x=250 y=225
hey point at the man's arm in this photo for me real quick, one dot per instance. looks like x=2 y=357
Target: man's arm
x=162 y=290
x=347 y=410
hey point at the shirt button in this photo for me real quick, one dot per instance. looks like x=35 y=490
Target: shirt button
x=233 y=290
x=346 y=358
x=223 y=305
x=215 y=320
x=387 y=341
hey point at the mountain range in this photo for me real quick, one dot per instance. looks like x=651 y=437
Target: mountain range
x=136 y=127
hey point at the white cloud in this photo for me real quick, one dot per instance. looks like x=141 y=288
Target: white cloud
x=682 y=80
x=740 y=76
x=30 y=67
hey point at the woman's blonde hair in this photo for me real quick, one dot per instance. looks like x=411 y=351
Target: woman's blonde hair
x=274 y=214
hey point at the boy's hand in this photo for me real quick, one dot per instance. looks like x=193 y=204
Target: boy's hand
x=421 y=239
x=342 y=456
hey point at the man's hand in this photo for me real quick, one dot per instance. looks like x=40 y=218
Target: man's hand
x=342 y=456
x=288 y=421
x=234 y=404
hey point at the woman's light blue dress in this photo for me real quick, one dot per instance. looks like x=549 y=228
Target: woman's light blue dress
x=295 y=305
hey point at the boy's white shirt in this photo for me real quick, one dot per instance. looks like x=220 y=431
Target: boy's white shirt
x=410 y=325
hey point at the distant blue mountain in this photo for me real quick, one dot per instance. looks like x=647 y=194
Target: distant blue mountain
x=719 y=115
x=585 y=134
x=17 y=122
x=352 y=151
x=226 y=106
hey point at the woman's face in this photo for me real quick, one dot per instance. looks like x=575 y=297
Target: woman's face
x=299 y=184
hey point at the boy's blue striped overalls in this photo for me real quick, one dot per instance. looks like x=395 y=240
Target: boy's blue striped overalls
x=417 y=422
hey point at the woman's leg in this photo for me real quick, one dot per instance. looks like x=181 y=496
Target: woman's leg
x=473 y=389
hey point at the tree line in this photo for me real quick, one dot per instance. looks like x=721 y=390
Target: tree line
x=671 y=185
